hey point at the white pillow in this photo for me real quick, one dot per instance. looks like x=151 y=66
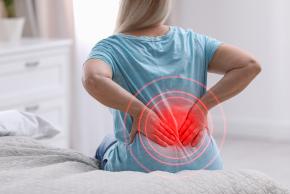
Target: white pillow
x=17 y=123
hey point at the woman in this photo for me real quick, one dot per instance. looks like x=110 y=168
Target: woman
x=153 y=78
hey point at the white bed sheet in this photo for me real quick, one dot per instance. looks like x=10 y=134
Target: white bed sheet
x=29 y=167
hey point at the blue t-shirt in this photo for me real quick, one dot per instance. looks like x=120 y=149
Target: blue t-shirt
x=167 y=73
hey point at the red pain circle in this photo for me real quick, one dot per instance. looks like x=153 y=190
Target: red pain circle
x=175 y=164
x=165 y=78
x=145 y=129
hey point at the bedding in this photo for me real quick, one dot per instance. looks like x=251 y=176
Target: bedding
x=26 y=166
x=18 y=123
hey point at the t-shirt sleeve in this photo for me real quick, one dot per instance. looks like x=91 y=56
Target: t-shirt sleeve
x=103 y=51
x=210 y=47
x=205 y=47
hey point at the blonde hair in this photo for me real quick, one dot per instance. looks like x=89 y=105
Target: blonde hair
x=139 y=14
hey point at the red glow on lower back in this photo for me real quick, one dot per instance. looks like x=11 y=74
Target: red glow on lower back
x=174 y=116
x=173 y=112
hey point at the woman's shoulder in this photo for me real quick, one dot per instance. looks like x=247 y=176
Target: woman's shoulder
x=177 y=32
x=195 y=36
x=109 y=42
x=188 y=33
x=184 y=30
x=128 y=38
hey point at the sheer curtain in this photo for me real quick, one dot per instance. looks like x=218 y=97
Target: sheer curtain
x=1 y=9
x=46 y=18
x=55 y=18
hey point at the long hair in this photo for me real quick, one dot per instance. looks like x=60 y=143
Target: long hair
x=139 y=14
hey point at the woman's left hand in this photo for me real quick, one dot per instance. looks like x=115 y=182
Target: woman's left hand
x=156 y=130
x=192 y=130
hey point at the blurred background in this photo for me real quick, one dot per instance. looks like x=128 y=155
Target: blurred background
x=43 y=44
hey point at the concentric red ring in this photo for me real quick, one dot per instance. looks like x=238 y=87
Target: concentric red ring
x=145 y=129
x=165 y=78
x=153 y=146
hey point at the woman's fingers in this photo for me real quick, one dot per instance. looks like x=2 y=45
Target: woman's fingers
x=167 y=128
x=159 y=141
x=162 y=130
x=167 y=132
x=157 y=137
x=164 y=133
x=197 y=139
x=133 y=133
x=164 y=138
x=184 y=127
x=188 y=132
x=191 y=136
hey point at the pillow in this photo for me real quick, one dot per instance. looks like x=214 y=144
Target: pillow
x=17 y=123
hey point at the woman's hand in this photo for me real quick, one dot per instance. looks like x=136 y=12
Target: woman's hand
x=156 y=130
x=193 y=127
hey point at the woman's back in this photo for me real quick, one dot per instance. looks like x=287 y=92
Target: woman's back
x=167 y=73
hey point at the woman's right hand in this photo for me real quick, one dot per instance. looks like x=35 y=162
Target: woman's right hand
x=156 y=130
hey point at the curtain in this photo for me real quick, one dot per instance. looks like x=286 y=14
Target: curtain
x=1 y=9
x=46 y=18
x=55 y=18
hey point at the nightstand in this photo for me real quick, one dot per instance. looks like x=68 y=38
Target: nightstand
x=34 y=77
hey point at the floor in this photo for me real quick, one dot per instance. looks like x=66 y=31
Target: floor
x=269 y=157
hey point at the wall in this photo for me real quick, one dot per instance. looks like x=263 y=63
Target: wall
x=260 y=27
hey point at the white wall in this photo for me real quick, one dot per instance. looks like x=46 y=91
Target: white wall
x=94 y=20
x=261 y=27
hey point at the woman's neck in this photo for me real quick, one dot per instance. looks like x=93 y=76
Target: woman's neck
x=157 y=30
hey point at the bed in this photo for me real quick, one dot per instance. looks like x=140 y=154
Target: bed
x=28 y=166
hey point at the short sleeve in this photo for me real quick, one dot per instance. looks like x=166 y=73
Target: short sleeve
x=205 y=47
x=210 y=47
x=103 y=51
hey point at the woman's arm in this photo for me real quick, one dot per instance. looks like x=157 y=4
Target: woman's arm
x=239 y=69
x=97 y=80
